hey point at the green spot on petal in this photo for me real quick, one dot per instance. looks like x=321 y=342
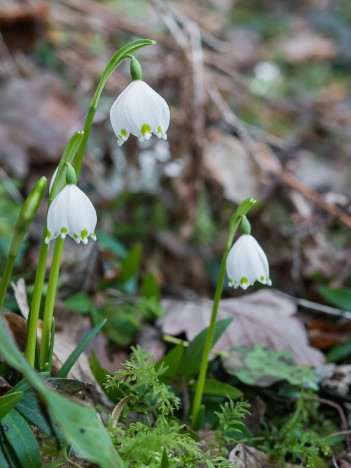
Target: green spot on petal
x=84 y=233
x=244 y=280
x=124 y=132
x=145 y=129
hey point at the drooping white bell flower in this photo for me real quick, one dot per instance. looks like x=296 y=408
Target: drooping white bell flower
x=247 y=263
x=71 y=213
x=139 y=111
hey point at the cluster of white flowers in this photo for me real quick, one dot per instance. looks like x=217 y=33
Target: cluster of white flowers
x=139 y=111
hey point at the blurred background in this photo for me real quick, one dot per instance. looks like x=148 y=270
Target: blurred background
x=259 y=93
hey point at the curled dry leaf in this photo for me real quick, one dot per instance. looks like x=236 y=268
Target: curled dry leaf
x=243 y=456
x=262 y=318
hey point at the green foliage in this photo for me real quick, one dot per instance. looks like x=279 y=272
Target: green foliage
x=20 y=438
x=192 y=357
x=230 y=422
x=79 y=425
x=156 y=438
x=231 y=416
x=79 y=349
x=8 y=402
x=339 y=297
x=262 y=366
x=140 y=374
x=8 y=216
x=295 y=441
x=101 y=376
x=339 y=351
x=125 y=319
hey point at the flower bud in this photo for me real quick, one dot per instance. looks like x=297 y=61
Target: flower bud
x=27 y=213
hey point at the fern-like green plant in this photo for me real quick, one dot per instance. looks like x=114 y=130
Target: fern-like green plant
x=295 y=441
x=148 y=434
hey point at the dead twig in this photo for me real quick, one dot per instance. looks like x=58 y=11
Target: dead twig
x=271 y=166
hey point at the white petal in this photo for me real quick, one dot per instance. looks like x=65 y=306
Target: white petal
x=71 y=213
x=247 y=263
x=139 y=110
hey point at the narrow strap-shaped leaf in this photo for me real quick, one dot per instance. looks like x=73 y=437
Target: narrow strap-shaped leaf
x=29 y=408
x=192 y=356
x=8 y=402
x=101 y=376
x=3 y=459
x=20 y=437
x=72 y=358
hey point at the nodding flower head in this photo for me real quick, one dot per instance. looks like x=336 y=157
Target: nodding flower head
x=139 y=111
x=71 y=213
x=247 y=263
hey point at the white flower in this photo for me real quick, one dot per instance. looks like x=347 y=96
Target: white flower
x=139 y=111
x=71 y=213
x=247 y=263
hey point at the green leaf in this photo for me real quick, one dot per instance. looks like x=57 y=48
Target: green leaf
x=72 y=358
x=130 y=265
x=23 y=386
x=340 y=351
x=80 y=425
x=79 y=303
x=29 y=408
x=101 y=374
x=262 y=367
x=192 y=357
x=123 y=323
x=8 y=402
x=214 y=387
x=112 y=244
x=93 y=443
x=164 y=460
x=20 y=437
x=3 y=460
x=149 y=287
x=171 y=360
x=339 y=297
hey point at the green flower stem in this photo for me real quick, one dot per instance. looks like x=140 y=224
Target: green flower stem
x=32 y=324
x=50 y=302
x=6 y=277
x=115 y=61
x=235 y=222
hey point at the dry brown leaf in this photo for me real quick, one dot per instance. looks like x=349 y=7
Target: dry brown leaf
x=243 y=456
x=262 y=318
x=20 y=292
x=307 y=46
x=17 y=328
x=228 y=162
x=37 y=119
